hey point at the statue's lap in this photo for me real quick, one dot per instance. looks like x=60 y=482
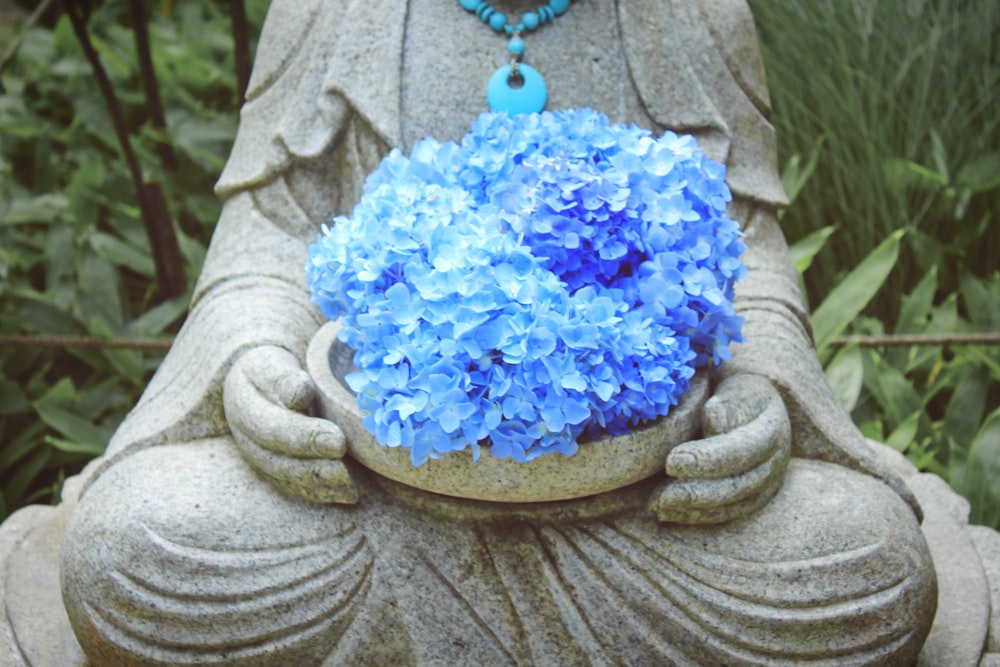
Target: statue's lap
x=181 y=550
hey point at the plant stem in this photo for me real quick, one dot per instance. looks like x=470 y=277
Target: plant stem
x=241 y=44
x=162 y=238
x=148 y=76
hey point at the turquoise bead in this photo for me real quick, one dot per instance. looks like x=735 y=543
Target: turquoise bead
x=529 y=98
x=498 y=21
x=559 y=6
x=530 y=20
x=545 y=14
x=484 y=12
x=470 y=5
x=516 y=45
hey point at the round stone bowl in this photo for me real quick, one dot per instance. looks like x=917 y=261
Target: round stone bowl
x=599 y=465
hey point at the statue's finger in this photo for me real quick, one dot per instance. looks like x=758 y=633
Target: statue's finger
x=278 y=374
x=273 y=426
x=315 y=480
x=683 y=494
x=669 y=513
x=737 y=400
x=733 y=452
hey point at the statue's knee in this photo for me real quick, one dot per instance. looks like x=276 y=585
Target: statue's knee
x=868 y=567
x=181 y=553
x=103 y=553
x=834 y=565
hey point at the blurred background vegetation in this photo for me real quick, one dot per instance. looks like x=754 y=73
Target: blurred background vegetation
x=888 y=122
x=889 y=137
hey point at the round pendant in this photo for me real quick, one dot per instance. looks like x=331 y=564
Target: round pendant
x=530 y=97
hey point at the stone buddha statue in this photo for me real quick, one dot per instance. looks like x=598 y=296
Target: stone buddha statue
x=225 y=525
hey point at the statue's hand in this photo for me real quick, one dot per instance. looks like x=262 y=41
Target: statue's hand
x=265 y=395
x=739 y=464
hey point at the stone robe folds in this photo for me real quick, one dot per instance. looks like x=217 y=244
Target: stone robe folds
x=177 y=553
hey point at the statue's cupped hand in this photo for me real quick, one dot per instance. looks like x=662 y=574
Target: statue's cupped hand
x=266 y=395
x=738 y=465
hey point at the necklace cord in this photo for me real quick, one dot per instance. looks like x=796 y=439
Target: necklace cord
x=517 y=87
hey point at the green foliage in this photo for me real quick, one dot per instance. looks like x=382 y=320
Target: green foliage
x=929 y=402
x=849 y=297
x=894 y=103
x=74 y=256
x=885 y=112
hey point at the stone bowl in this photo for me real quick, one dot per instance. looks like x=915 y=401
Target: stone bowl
x=599 y=465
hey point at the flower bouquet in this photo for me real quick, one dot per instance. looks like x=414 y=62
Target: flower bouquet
x=551 y=280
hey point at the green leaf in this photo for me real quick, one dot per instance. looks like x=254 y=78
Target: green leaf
x=39 y=209
x=805 y=249
x=114 y=64
x=60 y=265
x=39 y=316
x=927 y=250
x=854 y=292
x=914 y=314
x=4 y=268
x=981 y=174
x=74 y=447
x=71 y=68
x=893 y=391
x=193 y=252
x=126 y=362
x=901 y=438
x=916 y=306
x=981 y=481
x=36 y=46
x=90 y=110
x=12 y=399
x=156 y=320
x=20 y=445
x=845 y=373
x=61 y=394
x=872 y=430
x=99 y=296
x=944 y=317
x=97 y=399
x=74 y=427
x=49 y=493
x=978 y=354
x=966 y=406
x=939 y=156
x=981 y=299
x=924 y=460
x=904 y=174
x=16 y=487
x=195 y=136
x=794 y=176
x=121 y=253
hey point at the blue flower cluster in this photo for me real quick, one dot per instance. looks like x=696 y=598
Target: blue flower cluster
x=550 y=277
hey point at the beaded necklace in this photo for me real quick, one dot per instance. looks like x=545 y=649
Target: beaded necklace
x=517 y=87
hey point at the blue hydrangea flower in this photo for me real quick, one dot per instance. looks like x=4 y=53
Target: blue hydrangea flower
x=551 y=277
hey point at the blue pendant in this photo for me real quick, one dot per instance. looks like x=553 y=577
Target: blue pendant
x=530 y=97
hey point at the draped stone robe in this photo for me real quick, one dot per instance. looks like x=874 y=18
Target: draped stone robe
x=199 y=560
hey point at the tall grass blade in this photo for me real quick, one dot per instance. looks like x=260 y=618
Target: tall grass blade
x=854 y=292
x=805 y=249
x=981 y=481
x=846 y=375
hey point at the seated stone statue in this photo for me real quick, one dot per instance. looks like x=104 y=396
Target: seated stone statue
x=226 y=526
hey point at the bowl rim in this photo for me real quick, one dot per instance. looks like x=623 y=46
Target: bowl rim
x=638 y=454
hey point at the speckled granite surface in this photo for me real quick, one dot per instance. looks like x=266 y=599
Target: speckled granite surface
x=36 y=632
x=194 y=541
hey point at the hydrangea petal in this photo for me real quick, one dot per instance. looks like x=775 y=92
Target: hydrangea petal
x=548 y=276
